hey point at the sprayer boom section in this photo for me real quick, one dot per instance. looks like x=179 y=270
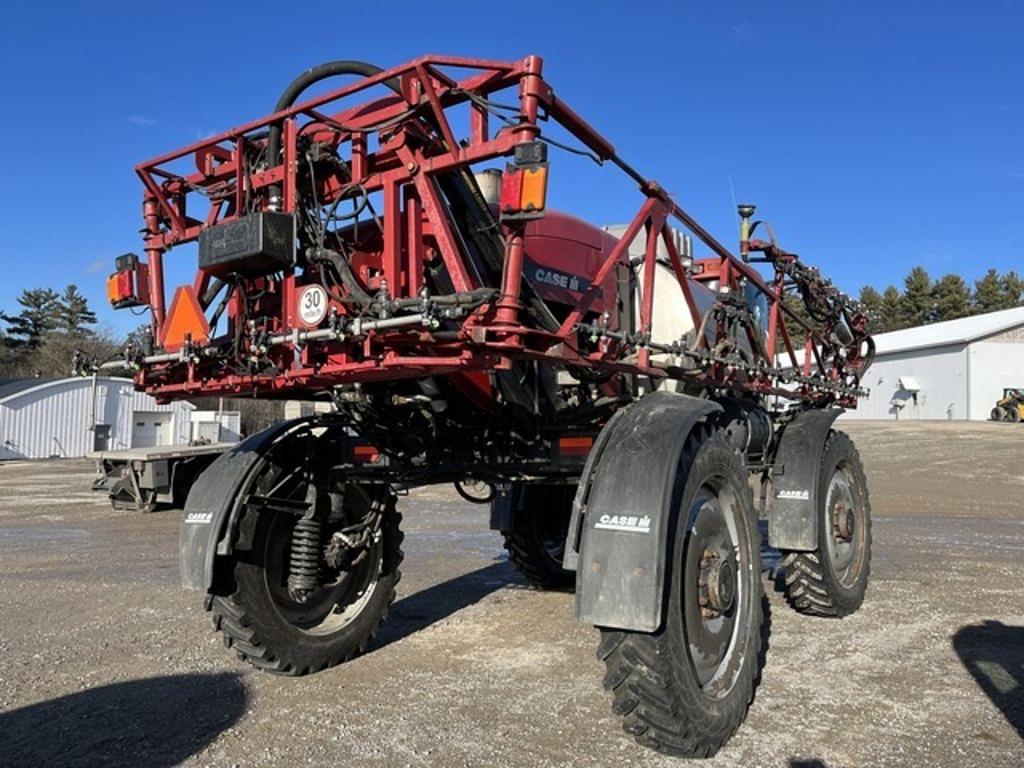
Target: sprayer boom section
x=360 y=236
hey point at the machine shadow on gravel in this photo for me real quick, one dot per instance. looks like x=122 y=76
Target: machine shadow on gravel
x=993 y=653
x=155 y=722
x=433 y=604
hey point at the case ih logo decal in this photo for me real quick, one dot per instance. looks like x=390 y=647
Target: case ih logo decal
x=556 y=279
x=199 y=518
x=798 y=495
x=631 y=523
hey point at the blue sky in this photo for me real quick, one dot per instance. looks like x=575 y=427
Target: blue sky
x=875 y=136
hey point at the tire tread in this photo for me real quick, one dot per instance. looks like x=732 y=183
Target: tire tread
x=232 y=620
x=804 y=583
x=658 y=712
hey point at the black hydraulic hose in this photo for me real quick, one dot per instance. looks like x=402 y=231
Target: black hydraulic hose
x=301 y=83
x=465 y=298
x=211 y=292
x=348 y=279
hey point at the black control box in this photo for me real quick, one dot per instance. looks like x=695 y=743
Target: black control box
x=252 y=245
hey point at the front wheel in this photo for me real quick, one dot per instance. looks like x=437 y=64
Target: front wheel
x=832 y=579
x=307 y=597
x=685 y=689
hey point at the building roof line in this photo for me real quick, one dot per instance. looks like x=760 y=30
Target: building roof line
x=11 y=389
x=960 y=331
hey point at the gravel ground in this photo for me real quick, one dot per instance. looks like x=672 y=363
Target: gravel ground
x=104 y=660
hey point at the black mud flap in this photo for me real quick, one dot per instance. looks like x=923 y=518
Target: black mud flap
x=623 y=511
x=793 y=520
x=211 y=504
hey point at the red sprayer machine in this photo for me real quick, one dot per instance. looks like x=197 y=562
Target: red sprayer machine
x=629 y=408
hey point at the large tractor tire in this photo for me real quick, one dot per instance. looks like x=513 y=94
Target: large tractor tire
x=536 y=542
x=832 y=579
x=1013 y=414
x=997 y=414
x=685 y=689
x=286 y=631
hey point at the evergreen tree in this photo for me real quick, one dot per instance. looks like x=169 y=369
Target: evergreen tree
x=1013 y=289
x=918 y=297
x=7 y=353
x=892 y=317
x=872 y=301
x=40 y=307
x=73 y=313
x=952 y=298
x=988 y=293
x=797 y=334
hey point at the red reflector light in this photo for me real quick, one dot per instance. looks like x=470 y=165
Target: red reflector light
x=575 y=445
x=365 y=453
x=511 y=190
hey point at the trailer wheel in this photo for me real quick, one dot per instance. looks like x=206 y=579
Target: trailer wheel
x=685 y=689
x=271 y=630
x=536 y=543
x=832 y=580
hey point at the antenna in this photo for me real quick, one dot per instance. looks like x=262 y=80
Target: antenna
x=732 y=194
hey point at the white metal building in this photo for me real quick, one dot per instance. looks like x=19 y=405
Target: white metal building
x=47 y=418
x=216 y=426
x=951 y=370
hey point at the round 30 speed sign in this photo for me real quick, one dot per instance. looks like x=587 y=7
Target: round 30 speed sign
x=312 y=305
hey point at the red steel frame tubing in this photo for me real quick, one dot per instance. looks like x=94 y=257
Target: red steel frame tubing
x=403 y=174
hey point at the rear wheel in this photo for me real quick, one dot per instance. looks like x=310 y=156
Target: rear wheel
x=1013 y=414
x=832 y=579
x=309 y=588
x=685 y=689
x=536 y=542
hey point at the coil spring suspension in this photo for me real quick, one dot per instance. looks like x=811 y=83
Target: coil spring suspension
x=304 y=563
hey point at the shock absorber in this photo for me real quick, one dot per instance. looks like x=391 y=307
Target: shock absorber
x=304 y=560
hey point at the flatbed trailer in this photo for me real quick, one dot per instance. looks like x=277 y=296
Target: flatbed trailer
x=143 y=479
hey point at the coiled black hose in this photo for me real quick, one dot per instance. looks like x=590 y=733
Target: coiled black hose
x=304 y=81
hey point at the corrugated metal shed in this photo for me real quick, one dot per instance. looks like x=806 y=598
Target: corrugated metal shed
x=952 y=370
x=43 y=418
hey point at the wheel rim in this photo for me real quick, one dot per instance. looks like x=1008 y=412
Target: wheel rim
x=344 y=593
x=716 y=592
x=336 y=603
x=844 y=516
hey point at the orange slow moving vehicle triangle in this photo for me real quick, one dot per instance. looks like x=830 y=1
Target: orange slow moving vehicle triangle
x=186 y=319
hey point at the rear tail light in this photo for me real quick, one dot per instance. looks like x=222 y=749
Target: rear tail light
x=365 y=454
x=524 y=185
x=129 y=285
x=574 y=445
